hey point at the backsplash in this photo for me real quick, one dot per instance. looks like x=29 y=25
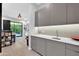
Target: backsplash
x=62 y=30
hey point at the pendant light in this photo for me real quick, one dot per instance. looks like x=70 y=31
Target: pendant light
x=19 y=16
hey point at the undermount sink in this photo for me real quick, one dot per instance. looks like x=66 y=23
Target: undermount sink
x=56 y=38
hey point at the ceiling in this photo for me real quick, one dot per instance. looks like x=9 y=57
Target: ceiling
x=38 y=5
x=13 y=9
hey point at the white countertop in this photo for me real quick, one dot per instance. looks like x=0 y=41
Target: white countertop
x=62 y=39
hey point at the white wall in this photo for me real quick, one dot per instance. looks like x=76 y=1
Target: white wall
x=11 y=10
x=68 y=30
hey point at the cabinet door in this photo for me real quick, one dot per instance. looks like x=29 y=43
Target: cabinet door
x=34 y=43
x=72 y=50
x=43 y=17
x=58 y=13
x=41 y=46
x=73 y=13
x=55 y=48
x=36 y=18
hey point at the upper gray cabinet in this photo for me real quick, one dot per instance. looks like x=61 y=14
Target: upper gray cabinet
x=43 y=17
x=58 y=13
x=36 y=18
x=52 y=14
x=73 y=13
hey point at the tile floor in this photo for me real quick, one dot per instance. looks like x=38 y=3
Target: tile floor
x=19 y=48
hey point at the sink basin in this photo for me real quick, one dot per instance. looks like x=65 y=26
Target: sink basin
x=56 y=38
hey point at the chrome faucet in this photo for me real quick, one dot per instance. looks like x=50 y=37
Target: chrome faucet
x=56 y=36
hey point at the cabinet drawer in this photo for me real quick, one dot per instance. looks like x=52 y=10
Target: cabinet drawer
x=72 y=47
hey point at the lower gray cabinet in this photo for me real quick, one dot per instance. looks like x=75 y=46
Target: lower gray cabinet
x=34 y=43
x=38 y=45
x=55 y=48
x=41 y=46
x=72 y=50
x=48 y=47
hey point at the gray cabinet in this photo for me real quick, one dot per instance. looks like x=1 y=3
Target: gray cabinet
x=38 y=45
x=36 y=18
x=58 y=13
x=34 y=43
x=55 y=48
x=72 y=50
x=43 y=17
x=47 y=47
x=53 y=14
x=73 y=13
x=41 y=46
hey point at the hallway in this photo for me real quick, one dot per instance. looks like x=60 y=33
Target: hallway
x=19 y=48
